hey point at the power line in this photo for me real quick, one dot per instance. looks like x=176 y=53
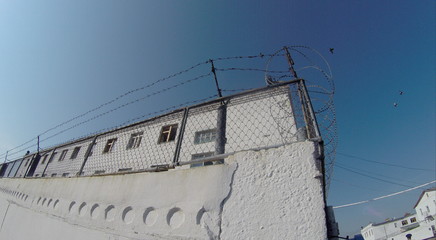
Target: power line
x=385 y=196
x=353 y=185
x=128 y=93
x=115 y=109
x=387 y=164
x=376 y=178
x=361 y=170
x=112 y=101
x=140 y=118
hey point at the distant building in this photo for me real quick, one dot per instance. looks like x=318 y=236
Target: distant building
x=420 y=225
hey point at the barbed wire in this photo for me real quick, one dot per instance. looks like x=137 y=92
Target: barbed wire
x=323 y=104
x=129 y=93
x=142 y=117
x=250 y=69
x=115 y=109
x=236 y=90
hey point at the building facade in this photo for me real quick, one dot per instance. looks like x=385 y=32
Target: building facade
x=245 y=166
x=420 y=225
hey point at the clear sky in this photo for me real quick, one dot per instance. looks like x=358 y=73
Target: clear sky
x=59 y=59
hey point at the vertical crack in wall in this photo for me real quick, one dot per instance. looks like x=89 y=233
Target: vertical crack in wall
x=210 y=232
x=220 y=220
x=4 y=217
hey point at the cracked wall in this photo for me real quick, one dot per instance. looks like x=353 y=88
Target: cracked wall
x=268 y=194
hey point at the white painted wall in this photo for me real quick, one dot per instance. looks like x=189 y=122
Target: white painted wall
x=258 y=119
x=426 y=205
x=268 y=194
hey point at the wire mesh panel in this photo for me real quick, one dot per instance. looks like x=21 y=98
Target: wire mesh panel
x=45 y=157
x=17 y=170
x=250 y=120
x=10 y=166
x=136 y=147
x=200 y=132
x=23 y=166
x=261 y=119
x=65 y=161
x=274 y=115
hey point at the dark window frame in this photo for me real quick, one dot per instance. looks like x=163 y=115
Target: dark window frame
x=109 y=145
x=75 y=152
x=135 y=140
x=168 y=133
x=63 y=155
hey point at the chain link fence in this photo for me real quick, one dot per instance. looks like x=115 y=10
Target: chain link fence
x=274 y=115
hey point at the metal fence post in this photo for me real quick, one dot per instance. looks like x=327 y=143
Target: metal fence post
x=30 y=164
x=88 y=151
x=220 y=143
x=49 y=161
x=309 y=114
x=180 y=138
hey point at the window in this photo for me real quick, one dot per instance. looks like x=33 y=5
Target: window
x=65 y=174
x=428 y=209
x=27 y=162
x=63 y=154
x=52 y=157
x=135 y=140
x=168 y=133
x=404 y=222
x=395 y=224
x=412 y=220
x=75 y=153
x=199 y=156
x=109 y=145
x=44 y=159
x=205 y=136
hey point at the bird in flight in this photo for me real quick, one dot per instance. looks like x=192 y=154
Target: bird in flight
x=331 y=50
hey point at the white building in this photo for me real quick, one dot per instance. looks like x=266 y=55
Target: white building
x=420 y=225
x=232 y=168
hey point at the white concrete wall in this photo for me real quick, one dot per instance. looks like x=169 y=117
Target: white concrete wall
x=66 y=166
x=268 y=194
x=258 y=119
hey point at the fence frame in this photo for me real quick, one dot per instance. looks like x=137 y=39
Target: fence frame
x=309 y=117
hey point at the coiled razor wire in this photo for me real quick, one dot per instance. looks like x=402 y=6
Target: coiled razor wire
x=308 y=60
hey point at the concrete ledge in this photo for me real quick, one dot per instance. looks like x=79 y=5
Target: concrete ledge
x=272 y=193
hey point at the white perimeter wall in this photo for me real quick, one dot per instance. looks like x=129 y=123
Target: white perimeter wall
x=268 y=194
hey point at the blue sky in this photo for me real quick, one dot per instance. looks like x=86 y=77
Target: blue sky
x=62 y=58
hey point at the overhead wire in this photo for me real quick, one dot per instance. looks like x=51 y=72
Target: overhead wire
x=114 y=109
x=384 y=196
x=382 y=163
x=138 y=118
x=330 y=137
x=128 y=93
x=372 y=173
x=372 y=177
